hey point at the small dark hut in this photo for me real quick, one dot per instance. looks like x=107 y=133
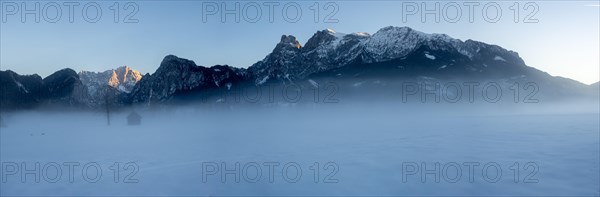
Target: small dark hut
x=134 y=119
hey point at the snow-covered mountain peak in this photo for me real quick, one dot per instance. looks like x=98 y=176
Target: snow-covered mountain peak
x=335 y=33
x=328 y=49
x=289 y=41
x=394 y=29
x=128 y=71
x=321 y=38
x=394 y=33
x=362 y=34
x=393 y=42
x=122 y=78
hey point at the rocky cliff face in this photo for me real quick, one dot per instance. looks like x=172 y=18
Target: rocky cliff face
x=109 y=86
x=20 y=91
x=60 y=88
x=176 y=75
x=123 y=79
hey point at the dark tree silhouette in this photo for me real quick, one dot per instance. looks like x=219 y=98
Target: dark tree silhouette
x=107 y=104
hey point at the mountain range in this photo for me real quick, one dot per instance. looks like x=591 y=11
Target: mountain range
x=358 y=63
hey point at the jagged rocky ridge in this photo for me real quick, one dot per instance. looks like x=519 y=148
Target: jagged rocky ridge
x=352 y=60
x=24 y=92
x=123 y=79
x=110 y=86
x=358 y=61
x=328 y=49
x=67 y=88
x=180 y=76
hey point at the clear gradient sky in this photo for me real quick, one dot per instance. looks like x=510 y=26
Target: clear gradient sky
x=564 y=42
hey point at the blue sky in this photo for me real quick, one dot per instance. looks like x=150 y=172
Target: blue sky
x=565 y=41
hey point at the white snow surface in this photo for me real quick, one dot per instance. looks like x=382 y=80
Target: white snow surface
x=263 y=80
x=368 y=145
x=498 y=58
x=431 y=57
